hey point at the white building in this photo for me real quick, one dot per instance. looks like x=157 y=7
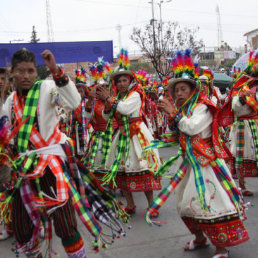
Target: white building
x=252 y=39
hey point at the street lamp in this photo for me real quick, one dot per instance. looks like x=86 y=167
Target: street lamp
x=160 y=14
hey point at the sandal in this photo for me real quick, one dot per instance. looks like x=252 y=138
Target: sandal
x=195 y=245
x=130 y=210
x=247 y=193
x=225 y=255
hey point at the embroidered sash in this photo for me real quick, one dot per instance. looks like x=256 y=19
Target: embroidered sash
x=45 y=160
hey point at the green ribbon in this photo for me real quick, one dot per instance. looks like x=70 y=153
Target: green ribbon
x=29 y=110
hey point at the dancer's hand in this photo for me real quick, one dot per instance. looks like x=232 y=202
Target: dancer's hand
x=102 y=92
x=165 y=106
x=50 y=61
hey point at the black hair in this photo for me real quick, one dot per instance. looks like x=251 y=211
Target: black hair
x=222 y=90
x=191 y=85
x=23 y=55
x=120 y=75
x=2 y=70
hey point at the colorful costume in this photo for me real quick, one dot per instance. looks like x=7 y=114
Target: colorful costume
x=206 y=196
x=94 y=113
x=79 y=125
x=125 y=158
x=93 y=158
x=244 y=131
x=49 y=178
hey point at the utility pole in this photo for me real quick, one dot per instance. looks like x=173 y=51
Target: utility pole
x=160 y=17
x=220 y=37
x=153 y=26
x=50 y=33
x=119 y=27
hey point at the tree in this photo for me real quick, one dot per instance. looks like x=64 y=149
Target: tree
x=167 y=38
x=225 y=47
x=144 y=66
x=34 y=38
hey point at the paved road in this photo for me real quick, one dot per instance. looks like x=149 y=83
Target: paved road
x=143 y=241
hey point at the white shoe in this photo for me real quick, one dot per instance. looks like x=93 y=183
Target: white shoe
x=4 y=235
x=225 y=255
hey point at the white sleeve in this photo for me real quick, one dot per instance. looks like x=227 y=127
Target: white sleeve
x=7 y=107
x=130 y=105
x=69 y=97
x=198 y=122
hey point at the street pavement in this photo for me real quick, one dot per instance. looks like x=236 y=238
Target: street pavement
x=167 y=241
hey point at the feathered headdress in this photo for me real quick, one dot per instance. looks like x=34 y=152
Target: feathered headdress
x=236 y=72
x=80 y=76
x=142 y=78
x=183 y=65
x=100 y=71
x=252 y=67
x=123 y=65
x=209 y=74
x=185 y=70
x=123 y=60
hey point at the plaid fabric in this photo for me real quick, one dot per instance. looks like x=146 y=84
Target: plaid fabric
x=34 y=214
x=90 y=161
x=85 y=216
x=159 y=201
x=29 y=110
x=105 y=195
x=123 y=144
x=107 y=139
x=44 y=161
x=122 y=149
x=227 y=183
x=240 y=148
x=253 y=128
x=98 y=199
x=252 y=103
x=199 y=182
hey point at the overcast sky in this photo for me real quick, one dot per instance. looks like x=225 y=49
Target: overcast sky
x=86 y=20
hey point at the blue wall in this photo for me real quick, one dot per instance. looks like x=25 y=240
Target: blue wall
x=64 y=52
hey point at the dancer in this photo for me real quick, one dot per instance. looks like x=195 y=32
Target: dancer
x=94 y=112
x=207 y=199
x=48 y=174
x=5 y=166
x=243 y=135
x=124 y=156
x=79 y=125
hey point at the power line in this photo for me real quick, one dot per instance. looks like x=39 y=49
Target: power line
x=171 y=8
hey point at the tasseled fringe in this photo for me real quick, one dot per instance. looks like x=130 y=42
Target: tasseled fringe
x=147 y=214
x=5 y=210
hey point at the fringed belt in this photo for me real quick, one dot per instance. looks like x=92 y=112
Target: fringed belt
x=102 y=126
x=99 y=126
x=133 y=120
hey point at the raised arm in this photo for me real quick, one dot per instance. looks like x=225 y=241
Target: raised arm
x=69 y=97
